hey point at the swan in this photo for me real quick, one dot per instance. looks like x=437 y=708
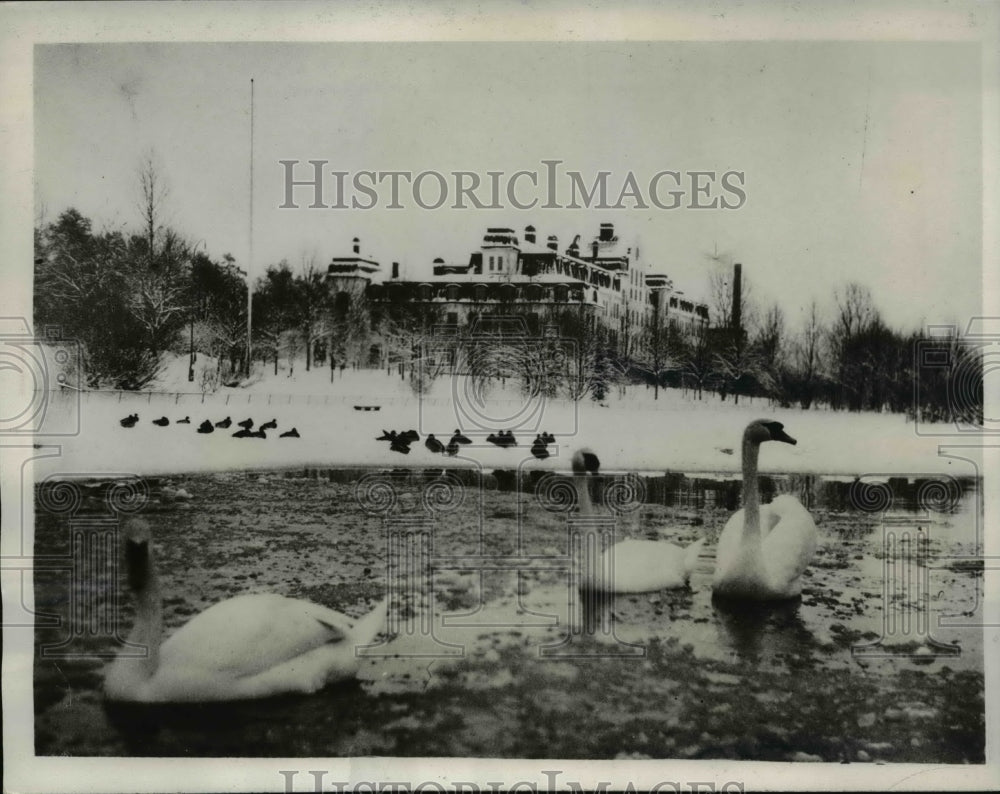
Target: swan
x=763 y=551
x=632 y=566
x=250 y=646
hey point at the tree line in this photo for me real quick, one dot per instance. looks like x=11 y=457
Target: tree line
x=129 y=297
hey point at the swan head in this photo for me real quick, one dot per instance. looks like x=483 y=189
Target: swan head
x=137 y=558
x=761 y=430
x=585 y=462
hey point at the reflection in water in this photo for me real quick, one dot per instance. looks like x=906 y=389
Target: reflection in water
x=240 y=727
x=759 y=630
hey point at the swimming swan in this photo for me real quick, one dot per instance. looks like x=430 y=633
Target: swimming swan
x=763 y=551
x=632 y=566
x=251 y=646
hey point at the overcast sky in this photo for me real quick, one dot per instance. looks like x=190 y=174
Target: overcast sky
x=862 y=161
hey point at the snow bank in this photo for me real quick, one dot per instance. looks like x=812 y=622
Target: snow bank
x=674 y=433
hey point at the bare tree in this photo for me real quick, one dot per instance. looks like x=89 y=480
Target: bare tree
x=586 y=367
x=770 y=344
x=153 y=192
x=855 y=321
x=807 y=355
x=661 y=351
x=697 y=359
x=312 y=306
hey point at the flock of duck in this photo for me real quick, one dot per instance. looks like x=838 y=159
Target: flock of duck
x=246 y=426
x=258 y=645
x=401 y=441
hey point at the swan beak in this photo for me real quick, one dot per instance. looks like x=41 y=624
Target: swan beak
x=781 y=435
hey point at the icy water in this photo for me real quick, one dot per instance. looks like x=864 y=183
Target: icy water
x=490 y=649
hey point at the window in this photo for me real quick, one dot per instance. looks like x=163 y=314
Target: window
x=491 y=264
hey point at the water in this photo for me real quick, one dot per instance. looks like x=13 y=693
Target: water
x=879 y=660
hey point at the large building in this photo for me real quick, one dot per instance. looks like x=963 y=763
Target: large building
x=602 y=280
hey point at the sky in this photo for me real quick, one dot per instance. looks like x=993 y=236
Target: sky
x=862 y=161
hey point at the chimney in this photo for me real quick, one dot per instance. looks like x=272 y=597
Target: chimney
x=395 y=269
x=357 y=246
x=553 y=242
x=593 y=249
x=607 y=232
x=529 y=234
x=737 y=295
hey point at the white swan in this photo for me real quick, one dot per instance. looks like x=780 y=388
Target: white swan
x=631 y=566
x=763 y=551
x=251 y=646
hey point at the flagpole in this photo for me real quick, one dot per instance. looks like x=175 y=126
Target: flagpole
x=250 y=259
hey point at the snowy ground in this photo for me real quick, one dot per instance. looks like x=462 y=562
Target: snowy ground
x=633 y=432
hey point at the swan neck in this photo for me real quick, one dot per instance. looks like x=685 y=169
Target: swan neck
x=147 y=631
x=751 y=488
x=583 y=500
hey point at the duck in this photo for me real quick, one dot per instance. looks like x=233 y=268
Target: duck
x=206 y=427
x=458 y=438
x=631 y=566
x=246 y=647
x=410 y=436
x=763 y=551
x=434 y=444
x=539 y=448
x=246 y=424
x=225 y=423
x=185 y=421
x=258 y=433
x=272 y=425
x=401 y=445
x=452 y=448
x=548 y=438
x=129 y=421
x=509 y=440
x=161 y=422
x=492 y=439
x=244 y=433
x=293 y=433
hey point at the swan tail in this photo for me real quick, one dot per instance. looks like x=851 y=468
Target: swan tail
x=691 y=557
x=366 y=629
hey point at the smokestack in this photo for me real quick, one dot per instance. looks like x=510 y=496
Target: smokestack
x=553 y=242
x=593 y=250
x=357 y=246
x=395 y=269
x=529 y=234
x=607 y=232
x=737 y=295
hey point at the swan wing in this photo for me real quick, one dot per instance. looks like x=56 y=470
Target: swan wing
x=790 y=545
x=728 y=546
x=249 y=634
x=642 y=566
